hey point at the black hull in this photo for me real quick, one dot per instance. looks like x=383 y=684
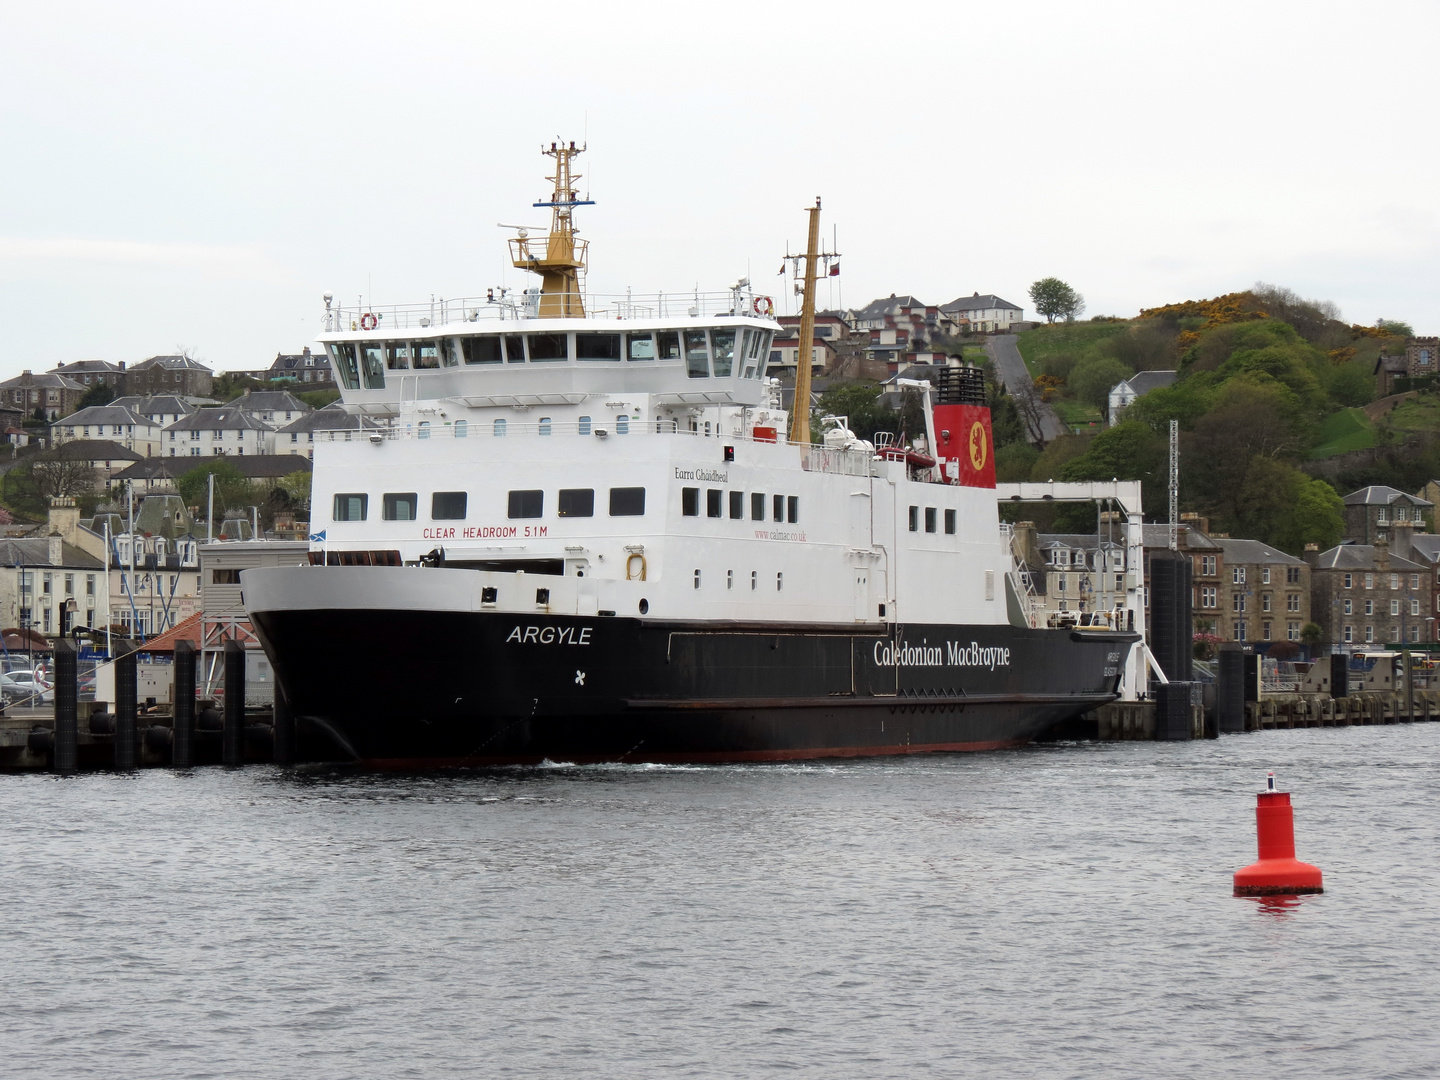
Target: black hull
x=413 y=688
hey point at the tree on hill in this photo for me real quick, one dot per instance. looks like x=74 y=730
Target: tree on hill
x=859 y=403
x=1396 y=327
x=99 y=394
x=1092 y=380
x=232 y=489
x=1054 y=299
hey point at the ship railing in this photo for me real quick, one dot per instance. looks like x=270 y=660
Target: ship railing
x=501 y=306
x=819 y=459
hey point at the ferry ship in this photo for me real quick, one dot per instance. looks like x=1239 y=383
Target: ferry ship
x=583 y=529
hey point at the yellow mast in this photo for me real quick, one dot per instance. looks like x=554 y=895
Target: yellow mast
x=563 y=263
x=804 y=356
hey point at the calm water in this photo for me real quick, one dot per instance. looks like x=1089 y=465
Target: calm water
x=1056 y=911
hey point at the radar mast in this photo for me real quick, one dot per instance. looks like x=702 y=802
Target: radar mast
x=562 y=262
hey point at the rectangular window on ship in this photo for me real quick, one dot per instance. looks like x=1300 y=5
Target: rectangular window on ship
x=757 y=506
x=351 y=507
x=792 y=509
x=930 y=519
x=690 y=502
x=448 y=506
x=481 y=350
x=398 y=506
x=526 y=504
x=714 y=505
x=779 y=505
x=737 y=505
x=627 y=502
x=547 y=348
x=576 y=502
x=597 y=346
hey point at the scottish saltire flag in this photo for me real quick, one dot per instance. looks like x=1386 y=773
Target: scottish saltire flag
x=317 y=538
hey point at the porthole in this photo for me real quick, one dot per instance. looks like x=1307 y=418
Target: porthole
x=644 y=606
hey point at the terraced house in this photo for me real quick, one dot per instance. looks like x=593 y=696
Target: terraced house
x=1364 y=595
x=1264 y=593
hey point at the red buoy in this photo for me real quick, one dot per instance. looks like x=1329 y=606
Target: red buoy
x=1277 y=872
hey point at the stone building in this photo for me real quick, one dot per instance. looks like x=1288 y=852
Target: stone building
x=180 y=375
x=1207 y=565
x=1378 y=513
x=1264 y=593
x=1363 y=595
x=57 y=395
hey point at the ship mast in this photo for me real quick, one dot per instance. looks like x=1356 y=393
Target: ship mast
x=805 y=354
x=563 y=262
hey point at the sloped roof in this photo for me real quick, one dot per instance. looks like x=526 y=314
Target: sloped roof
x=45 y=378
x=85 y=365
x=35 y=551
x=1254 y=551
x=171 y=363
x=91 y=450
x=1142 y=382
x=330 y=418
x=103 y=414
x=1380 y=495
x=225 y=418
x=152 y=404
x=158 y=468
x=1361 y=557
x=270 y=401
x=1426 y=547
x=1158 y=536
x=878 y=309
x=977 y=302
x=185 y=630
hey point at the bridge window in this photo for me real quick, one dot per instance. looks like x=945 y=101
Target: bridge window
x=514 y=349
x=639 y=347
x=526 y=504
x=425 y=354
x=462 y=428
x=342 y=358
x=398 y=507
x=372 y=365
x=351 y=507
x=765 y=355
x=547 y=348
x=723 y=342
x=627 y=502
x=690 y=502
x=450 y=352
x=499 y=428
x=481 y=350
x=397 y=355
x=667 y=345
x=697 y=355
x=597 y=346
x=576 y=502
x=448 y=506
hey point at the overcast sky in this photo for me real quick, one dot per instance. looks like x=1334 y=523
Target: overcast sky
x=196 y=175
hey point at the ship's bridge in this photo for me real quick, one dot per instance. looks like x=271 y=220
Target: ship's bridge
x=692 y=349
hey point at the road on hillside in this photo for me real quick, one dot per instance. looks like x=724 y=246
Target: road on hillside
x=1005 y=355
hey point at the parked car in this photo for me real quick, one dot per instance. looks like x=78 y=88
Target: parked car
x=21 y=687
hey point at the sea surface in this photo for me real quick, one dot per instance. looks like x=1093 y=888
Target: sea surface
x=1057 y=911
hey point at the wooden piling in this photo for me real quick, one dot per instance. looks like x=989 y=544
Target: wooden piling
x=233 y=738
x=182 y=748
x=125 y=708
x=67 y=712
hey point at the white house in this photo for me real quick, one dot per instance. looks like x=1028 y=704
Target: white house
x=161 y=409
x=218 y=432
x=1137 y=385
x=114 y=422
x=983 y=314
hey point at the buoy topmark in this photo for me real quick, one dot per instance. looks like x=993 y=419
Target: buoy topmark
x=1277 y=872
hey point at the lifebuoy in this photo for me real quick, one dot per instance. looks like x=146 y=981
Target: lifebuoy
x=763 y=306
x=369 y=321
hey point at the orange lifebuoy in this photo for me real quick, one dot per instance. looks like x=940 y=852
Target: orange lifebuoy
x=369 y=321
x=764 y=305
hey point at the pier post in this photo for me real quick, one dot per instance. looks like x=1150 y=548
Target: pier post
x=126 y=689
x=1230 y=688
x=1172 y=712
x=233 y=738
x=182 y=749
x=1339 y=675
x=66 y=708
x=284 y=730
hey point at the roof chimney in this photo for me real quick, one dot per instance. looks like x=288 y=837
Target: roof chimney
x=65 y=519
x=1312 y=554
x=57 y=549
x=1382 y=555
